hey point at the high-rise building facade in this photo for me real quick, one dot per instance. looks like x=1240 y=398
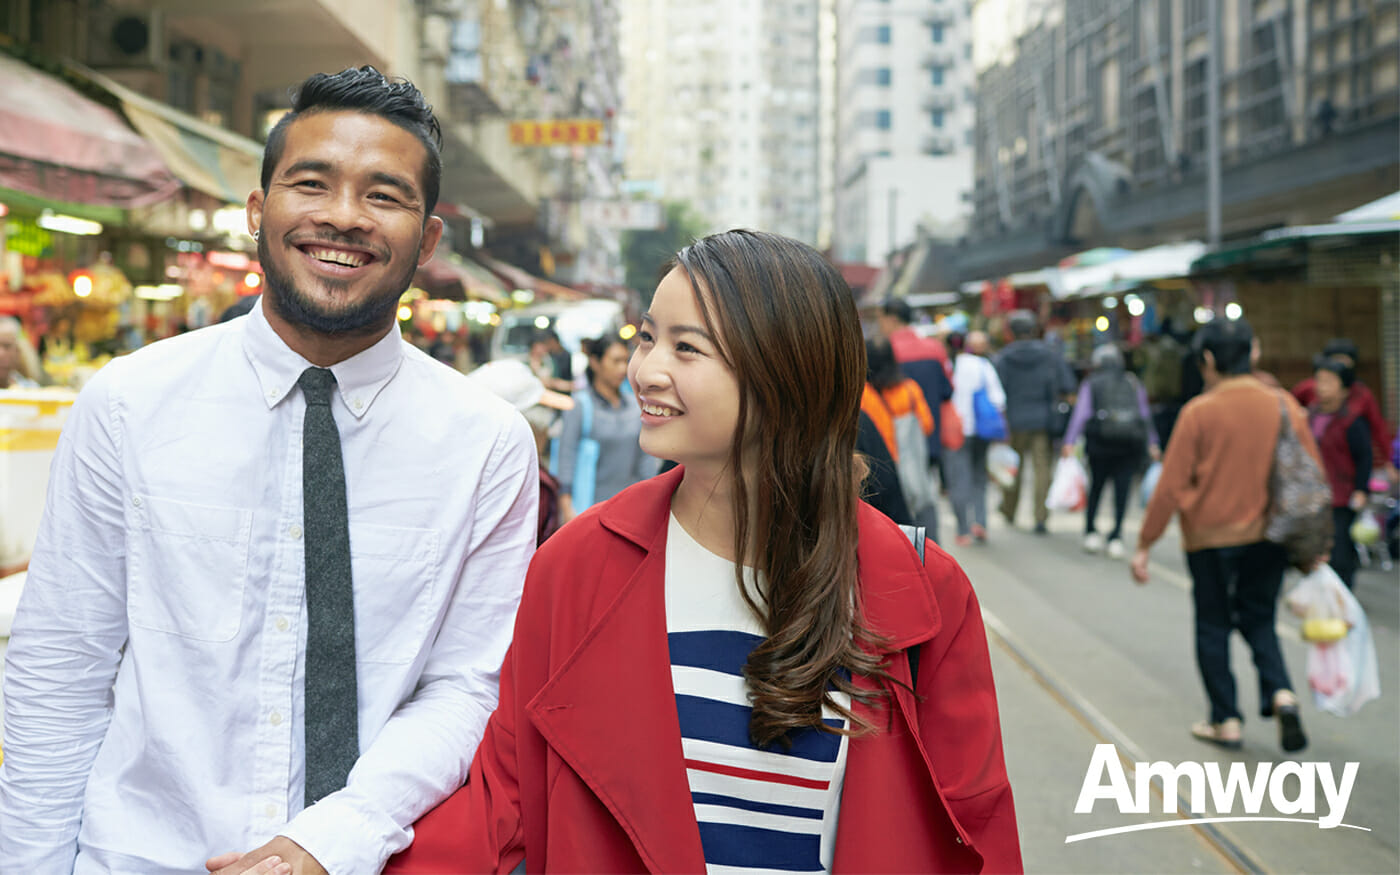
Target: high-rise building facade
x=1094 y=119
x=904 y=116
x=721 y=109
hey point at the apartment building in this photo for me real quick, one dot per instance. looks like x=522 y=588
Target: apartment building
x=904 y=114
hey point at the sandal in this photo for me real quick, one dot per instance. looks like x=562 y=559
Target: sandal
x=1290 y=724
x=1226 y=733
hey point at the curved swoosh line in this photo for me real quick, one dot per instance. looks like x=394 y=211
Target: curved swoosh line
x=1188 y=821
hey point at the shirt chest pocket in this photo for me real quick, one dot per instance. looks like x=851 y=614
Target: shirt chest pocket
x=187 y=567
x=395 y=578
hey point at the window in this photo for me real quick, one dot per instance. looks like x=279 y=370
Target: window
x=937 y=75
x=874 y=76
x=936 y=116
x=937 y=31
x=879 y=34
x=874 y=118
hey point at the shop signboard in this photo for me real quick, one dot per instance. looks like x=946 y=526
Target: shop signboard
x=557 y=132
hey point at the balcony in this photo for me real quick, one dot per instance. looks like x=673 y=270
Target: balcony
x=938 y=144
x=945 y=99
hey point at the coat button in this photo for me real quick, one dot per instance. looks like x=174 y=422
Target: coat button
x=958 y=839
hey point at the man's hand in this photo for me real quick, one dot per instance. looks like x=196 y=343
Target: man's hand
x=1155 y=452
x=291 y=859
x=1139 y=565
x=1358 y=500
x=1067 y=450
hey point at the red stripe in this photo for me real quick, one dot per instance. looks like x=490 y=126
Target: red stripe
x=737 y=772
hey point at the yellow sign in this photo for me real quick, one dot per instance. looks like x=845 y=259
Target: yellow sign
x=559 y=132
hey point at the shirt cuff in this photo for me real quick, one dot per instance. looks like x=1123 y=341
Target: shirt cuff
x=343 y=839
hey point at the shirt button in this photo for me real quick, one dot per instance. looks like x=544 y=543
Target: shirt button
x=272 y=396
x=270 y=810
x=136 y=501
x=275 y=719
x=282 y=624
x=295 y=532
x=359 y=405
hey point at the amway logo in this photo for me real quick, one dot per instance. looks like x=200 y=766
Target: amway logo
x=1105 y=779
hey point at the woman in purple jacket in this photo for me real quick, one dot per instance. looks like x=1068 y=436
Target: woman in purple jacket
x=1112 y=414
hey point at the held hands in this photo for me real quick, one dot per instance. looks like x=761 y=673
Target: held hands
x=281 y=856
x=1067 y=450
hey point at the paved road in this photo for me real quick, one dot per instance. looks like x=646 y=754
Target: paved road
x=1083 y=656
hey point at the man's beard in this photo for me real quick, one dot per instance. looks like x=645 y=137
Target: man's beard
x=366 y=316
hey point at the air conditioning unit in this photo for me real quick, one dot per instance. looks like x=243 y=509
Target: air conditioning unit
x=126 y=39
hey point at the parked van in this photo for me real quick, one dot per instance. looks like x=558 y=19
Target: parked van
x=573 y=321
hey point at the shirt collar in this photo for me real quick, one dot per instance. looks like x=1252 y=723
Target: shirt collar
x=359 y=379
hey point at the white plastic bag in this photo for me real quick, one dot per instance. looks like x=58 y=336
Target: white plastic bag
x=1069 y=488
x=1002 y=464
x=1343 y=674
x=1149 y=482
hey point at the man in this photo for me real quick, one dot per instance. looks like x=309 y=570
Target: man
x=11 y=371
x=1216 y=475
x=230 y=641
x=1034 y=378
x=925 y=361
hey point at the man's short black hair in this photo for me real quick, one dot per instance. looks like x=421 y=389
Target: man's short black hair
x=1228 y=341
x=898 y=308
x=365 y=89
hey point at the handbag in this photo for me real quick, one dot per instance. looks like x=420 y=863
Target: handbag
x=1300 y=500
x=950 y=427
x=987 y=421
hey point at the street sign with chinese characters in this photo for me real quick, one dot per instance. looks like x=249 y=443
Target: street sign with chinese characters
x=557 y=132
x=623 y=215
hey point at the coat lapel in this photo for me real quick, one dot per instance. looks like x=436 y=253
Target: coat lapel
x=610 y=709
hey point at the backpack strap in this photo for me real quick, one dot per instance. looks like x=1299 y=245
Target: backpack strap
x=916 y=536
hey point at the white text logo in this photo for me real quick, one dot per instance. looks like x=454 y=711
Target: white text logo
x=1228 y=792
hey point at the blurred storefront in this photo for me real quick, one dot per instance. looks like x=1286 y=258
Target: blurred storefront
x=1301 y=286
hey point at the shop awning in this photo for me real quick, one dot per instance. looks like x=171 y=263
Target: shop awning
x=453 y=278
x=522 y=279
x=1124 y=273
x=56 y=143
x=1289 y=245
x=205 y=157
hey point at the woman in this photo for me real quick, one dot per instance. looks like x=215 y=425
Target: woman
x=967 y=467
x=1113 y=415
x=1344 y=440
x=715 y=667
x=897 y=407
x=608 y=417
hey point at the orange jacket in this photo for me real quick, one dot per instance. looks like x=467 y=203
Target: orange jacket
x=581 y=769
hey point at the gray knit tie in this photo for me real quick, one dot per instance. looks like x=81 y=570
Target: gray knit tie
x=332 y=713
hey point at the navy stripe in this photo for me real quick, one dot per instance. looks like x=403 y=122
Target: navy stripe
x=752 y=805
x=724 y=723
x=749 y=847
x=725 y=651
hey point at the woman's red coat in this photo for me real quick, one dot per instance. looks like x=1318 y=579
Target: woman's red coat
x=581 y=767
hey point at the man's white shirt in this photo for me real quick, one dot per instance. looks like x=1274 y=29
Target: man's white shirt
x=153 y=683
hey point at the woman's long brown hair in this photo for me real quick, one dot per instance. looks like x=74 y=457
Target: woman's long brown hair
x=788 y=329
